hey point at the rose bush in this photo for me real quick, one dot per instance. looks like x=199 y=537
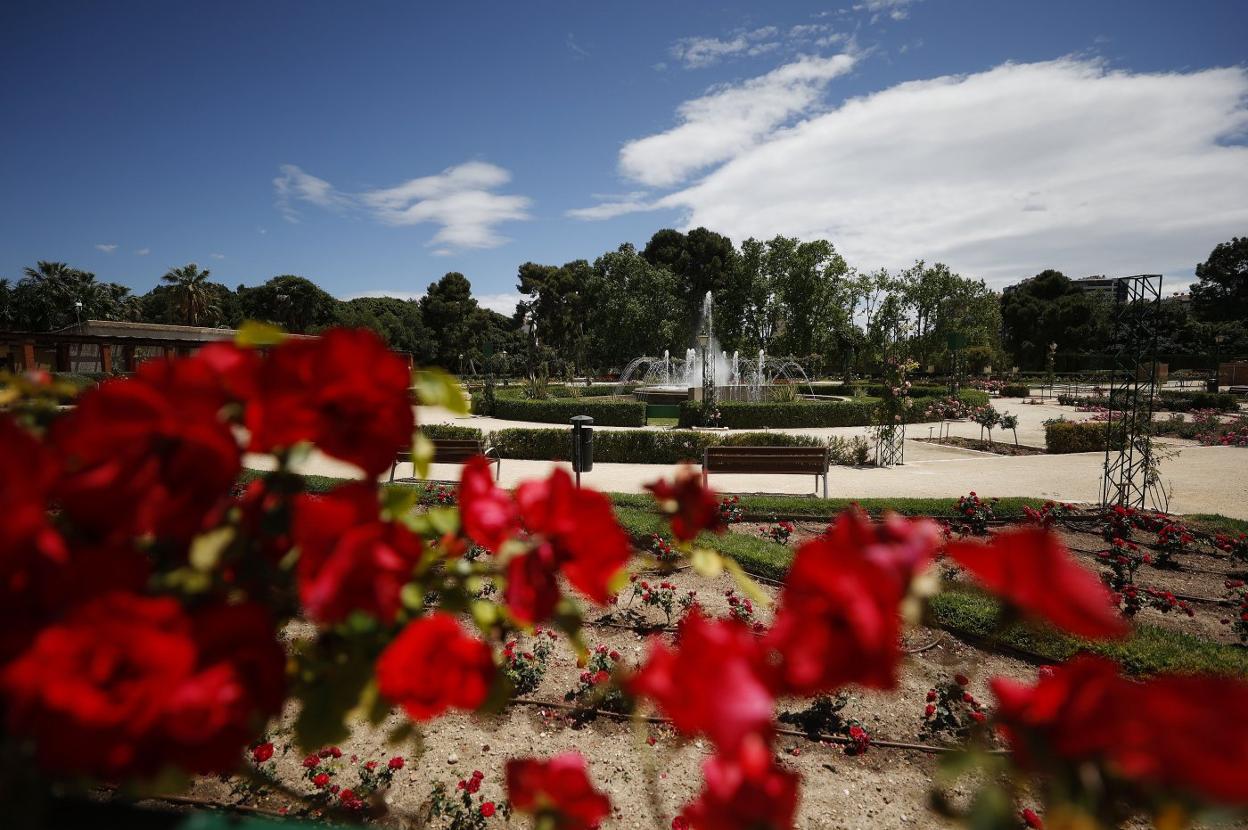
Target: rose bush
x=144 y=595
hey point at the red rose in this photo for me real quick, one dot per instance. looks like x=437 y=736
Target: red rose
x=122 y=687
x=344 y=391
x=489 y=514
x=838 y=619
x=320 y=779
x=395 y=763
x=1170 y=731
x=568 y=530
x=262 y=753
x=433 y=666
x=33 y=556
x=691 y=507
x=141 y=459
x=746 y=791
x=1031 y=569
x=349 y=559
x=487 y=808
x=559 y=788
x=710 y=683
x=1031 y=819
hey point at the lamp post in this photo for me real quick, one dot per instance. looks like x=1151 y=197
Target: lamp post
x=78 y=310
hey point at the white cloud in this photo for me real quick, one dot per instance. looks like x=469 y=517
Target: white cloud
x=611 y=206
x=730 y=119
x=106 y=248
x=143 y=252
x=894 y=9
x=217 y=256
x=999 y=174
x=725 y=122
x=699 y=52
x=294 y=184
x=503 y=303
x=460 y=199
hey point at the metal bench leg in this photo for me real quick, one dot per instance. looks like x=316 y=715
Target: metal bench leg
x=394 y=466
x=498 y=470
x=825 y=485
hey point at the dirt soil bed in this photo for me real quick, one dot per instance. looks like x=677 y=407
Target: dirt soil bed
x=996 y=447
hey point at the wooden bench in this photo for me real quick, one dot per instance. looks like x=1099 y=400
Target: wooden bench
x=452 y=451
x=800 y=460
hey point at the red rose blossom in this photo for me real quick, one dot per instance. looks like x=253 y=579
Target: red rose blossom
x=1031 y=568
x=262 y=753
x=349 y=559
x=691 y=507
x=710 y=682
x=744 y=791
x=568 y=530
x=124 y=685
x=433 y=665
x=395 y=763
x=144 y=458
x=344 y=391
x=559 y=788
x=487 y=808
x=1170 y=731
x=838 y=620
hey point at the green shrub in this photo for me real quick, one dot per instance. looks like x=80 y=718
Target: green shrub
x=858 y=412
x=452 y=431
x=750 y=415
x=1074 y=436
x=1185 y=401
x=656 y=447
x=1015 y=390
x=611 y=413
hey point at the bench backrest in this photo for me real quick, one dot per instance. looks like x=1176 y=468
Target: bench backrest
x=808 y=460
x=450 y=450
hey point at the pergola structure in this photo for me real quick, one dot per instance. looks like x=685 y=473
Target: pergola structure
x=106 y=346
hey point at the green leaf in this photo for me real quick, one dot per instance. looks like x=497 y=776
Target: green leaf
x=397 y=501
x=706 y=562
x=422 y=454
x=254 y=334
x=444 y=520
x=330 y=688
x=435 y=387
x=748 y=586
x=412 y=595
x=208 y=548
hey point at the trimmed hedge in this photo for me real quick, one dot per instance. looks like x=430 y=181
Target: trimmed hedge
x=1016 y=390
x=857 y=412
x=750 y=415
x=1074 y=436
x=1176 y=401
x=452 y=431
x=655 y=447
x=611 y=413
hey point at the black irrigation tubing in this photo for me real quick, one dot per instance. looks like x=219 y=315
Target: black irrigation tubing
x=671 y=629
x=817 y=737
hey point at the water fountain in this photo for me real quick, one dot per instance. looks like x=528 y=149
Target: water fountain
x=670 y=379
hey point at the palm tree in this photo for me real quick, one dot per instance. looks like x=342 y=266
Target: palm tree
x=194 y=297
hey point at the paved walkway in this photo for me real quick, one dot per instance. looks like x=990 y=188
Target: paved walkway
x=1203 y=479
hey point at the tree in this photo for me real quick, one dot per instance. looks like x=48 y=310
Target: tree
x=193 y=295
x=635 y=310
x=702 y=261
x=1051 y=308
x=450 y=314
x=294 y=303
x=1221 y=291
x=52 y=295
x=398 y=321
x=562 y=300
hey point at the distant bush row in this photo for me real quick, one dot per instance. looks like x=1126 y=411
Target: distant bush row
x=643 y=446
x=849 y=413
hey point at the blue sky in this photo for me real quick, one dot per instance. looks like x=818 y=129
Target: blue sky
x=373 y=147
